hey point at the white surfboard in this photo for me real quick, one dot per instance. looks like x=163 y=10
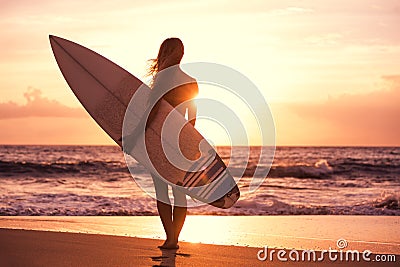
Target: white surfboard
x=106 y=90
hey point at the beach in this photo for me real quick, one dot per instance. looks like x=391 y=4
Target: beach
x=223 y=241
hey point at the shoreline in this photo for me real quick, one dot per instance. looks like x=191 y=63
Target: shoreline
x=39 y=248
x=379 y=234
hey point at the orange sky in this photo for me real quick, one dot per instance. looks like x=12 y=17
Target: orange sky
x=329 y=69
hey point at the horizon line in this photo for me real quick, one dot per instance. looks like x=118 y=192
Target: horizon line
x=327 y=145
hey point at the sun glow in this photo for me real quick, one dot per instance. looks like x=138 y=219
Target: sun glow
x=230 y=121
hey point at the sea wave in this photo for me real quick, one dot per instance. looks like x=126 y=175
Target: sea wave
x=94 y=180
x=65 y=204
x=388 y=200
x=18 y=168
x=86 y=205
x=321 y=169
x=324 y=169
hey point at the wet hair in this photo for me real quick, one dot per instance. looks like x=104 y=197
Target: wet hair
x=170 y=53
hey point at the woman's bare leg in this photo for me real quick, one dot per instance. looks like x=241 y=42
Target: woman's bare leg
x=179 y=212
x=165 y=212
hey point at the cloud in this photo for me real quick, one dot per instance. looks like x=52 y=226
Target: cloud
x=370 y=118
x=326 y=39
x=290 y=11
x=38 y=106
x=67 y=131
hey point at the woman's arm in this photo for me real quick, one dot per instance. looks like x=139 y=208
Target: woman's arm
x=152 y=114
x=192 y=107
x=192 y=112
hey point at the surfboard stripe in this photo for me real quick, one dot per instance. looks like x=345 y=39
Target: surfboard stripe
x=223 y=179
x=208 y=185
x=191 y=174
x=215 y=176
x=209 y=172
x=200 y=164
x=212 y=190
x=205 y=173
x=196 y=175
x=201 y=175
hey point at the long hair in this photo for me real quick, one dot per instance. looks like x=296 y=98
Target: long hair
x=170 y=53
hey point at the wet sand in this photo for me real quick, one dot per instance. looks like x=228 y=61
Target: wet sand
x=209 y=240
x=379 y=234
x=38 y=248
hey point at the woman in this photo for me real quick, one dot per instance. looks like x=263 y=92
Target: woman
x=180 y=97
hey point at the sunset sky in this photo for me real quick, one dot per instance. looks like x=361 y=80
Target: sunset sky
x=330 y=70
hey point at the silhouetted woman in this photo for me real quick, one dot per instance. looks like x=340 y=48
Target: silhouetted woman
x=181 y=97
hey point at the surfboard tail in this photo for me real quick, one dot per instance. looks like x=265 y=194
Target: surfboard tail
x=228 y=200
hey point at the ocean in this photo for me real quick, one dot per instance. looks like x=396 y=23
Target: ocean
x=94 y=180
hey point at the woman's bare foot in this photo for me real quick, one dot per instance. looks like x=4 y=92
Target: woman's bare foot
x=169 y=245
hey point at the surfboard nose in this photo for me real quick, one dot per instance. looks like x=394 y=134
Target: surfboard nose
x=52 y=39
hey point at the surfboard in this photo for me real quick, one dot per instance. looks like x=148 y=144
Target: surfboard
x=106 y=91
